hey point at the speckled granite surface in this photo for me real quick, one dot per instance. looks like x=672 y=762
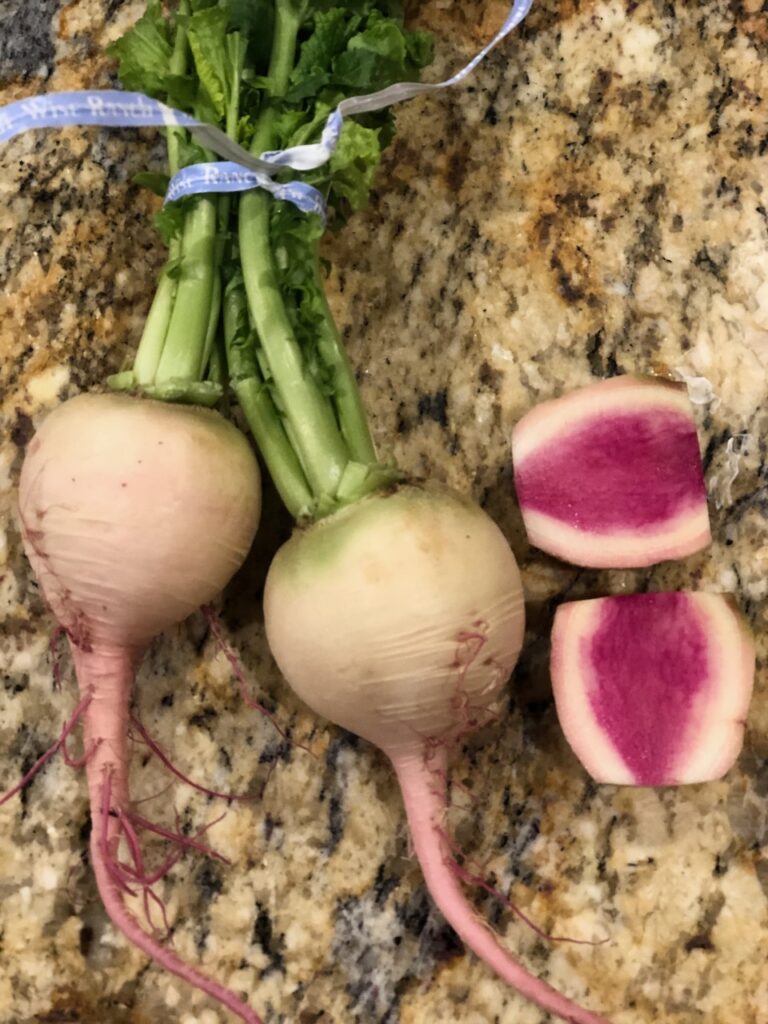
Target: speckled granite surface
x=593 y=202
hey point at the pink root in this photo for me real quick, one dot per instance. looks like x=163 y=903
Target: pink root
x=153 y=796
x=164 y=759
x=107 y=675
x=113 y=879
x=108 y=840
x=178 y=838
x=477 y=880
x=51 y=751
x=424 y=794
x=239 y=673
x=150 y=895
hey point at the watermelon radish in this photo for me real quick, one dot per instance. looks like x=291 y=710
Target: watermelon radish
x=653 y=689
x=609 y=476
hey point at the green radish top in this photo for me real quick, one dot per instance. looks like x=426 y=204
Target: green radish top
x=241 y=298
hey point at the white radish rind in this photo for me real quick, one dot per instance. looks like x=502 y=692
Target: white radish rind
x=398 y=617
x=609 y=476
x=653 y=689
x=134 y=513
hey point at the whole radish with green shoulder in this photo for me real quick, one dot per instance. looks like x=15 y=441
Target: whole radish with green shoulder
x=137 y=508
x=396 y=608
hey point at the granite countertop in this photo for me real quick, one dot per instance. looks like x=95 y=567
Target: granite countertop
x=593 y=201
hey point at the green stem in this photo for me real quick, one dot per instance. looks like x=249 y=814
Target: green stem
x=346 y=394
x=156 y=326
x=311 y=421
x=217 y=367
x=214 y=317
x=258 y=408
x=185 y=341
x=178 y=66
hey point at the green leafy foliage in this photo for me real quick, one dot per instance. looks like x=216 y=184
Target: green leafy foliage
x=214 y=58
x=206 y=31
x=144 y=53
x=152 y=180
x=353 y=166
x=169 y=220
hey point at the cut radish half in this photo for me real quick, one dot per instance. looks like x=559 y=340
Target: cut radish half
x=653 y=689
x=610 y=476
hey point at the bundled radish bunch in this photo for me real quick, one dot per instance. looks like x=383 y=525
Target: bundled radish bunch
x=396 y=609
x=651 y=689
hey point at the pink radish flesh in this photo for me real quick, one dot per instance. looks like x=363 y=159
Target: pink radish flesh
x=611 y=475
x=653 y=689
x=133 y=514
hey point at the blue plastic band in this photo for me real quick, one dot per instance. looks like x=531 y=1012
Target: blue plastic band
x=231 y=177
x=240 y=171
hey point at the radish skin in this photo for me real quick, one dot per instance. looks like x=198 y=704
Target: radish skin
x=133 y=514
x=401 y=618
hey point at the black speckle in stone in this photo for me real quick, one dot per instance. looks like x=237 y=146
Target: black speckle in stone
x=491 y=116
x=26 y=39
x=720 y=868
x=84 y=835
x=201 y=718
x=86 y=940
x=716 y=265
x=335 y=822
x=209 y=880
x=435 y=407
x=699 y=942
x=415 y=914
x=439 y=942
x=264 y=937
x=15 y=684
x=383 y=886
x=601 y=363
x=22 y=430
x=111 y=7
x=270 y=824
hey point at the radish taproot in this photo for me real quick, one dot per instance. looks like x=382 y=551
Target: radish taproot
x=653 y=689
x=609 y=475
x=396 y=609
x=115 y=495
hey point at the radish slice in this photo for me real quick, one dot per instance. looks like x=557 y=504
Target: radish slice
x=653 y=689
x=610 y=476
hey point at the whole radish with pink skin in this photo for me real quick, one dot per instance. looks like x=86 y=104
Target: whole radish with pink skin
x=401 y=618
x=133 y=513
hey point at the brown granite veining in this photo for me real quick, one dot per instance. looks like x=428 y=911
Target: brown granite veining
x=593 y=201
